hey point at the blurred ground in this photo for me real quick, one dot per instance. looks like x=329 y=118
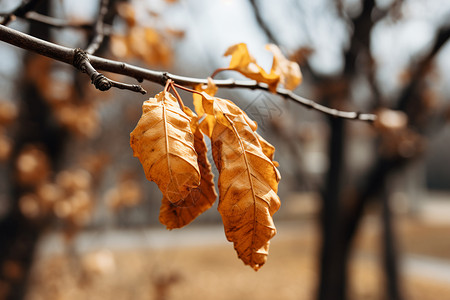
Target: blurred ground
x=197 y=263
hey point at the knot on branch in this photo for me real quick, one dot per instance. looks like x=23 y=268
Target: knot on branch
x=164 y=77
x=101 y=82
x=80 y=59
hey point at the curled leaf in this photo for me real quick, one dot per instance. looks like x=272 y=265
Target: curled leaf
x=244 y=63
x=174 y=216
x=248 y=181
x=164 y=143
x=289 y=71
x=268 y=150
x=207 y=124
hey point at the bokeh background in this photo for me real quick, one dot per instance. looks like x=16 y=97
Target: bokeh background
x=365 y=208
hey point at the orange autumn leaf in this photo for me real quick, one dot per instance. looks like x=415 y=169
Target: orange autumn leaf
x=267 y=148
x=127 y=12
x=218 y=109
x=164 y=143
x=174 y=216
x=210 y=89
x=144 y=43
x=244 y=63
x=119 y=46
x=248 y=182
x=207 y=124
x=289 y=71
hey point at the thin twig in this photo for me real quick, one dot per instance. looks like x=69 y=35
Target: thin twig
x=99 y=28
x=100 y=81
x=20 y=11
x=55 y=22
x=187 y=89
x=66 y=55
x=262 y=24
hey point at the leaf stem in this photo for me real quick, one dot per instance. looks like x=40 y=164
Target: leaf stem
x=186 y=89
x=167 y=86
x=217 y=71
x=180 y=101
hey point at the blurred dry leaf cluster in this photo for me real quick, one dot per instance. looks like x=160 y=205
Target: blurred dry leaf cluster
x=68 y=195
x=74 y=109
x=126 y=193
x=8 y=113
x=397 y=140
x=148 y=44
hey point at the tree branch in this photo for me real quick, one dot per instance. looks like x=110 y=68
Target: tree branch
x=67 y=55
x=100 y=81
x=57 y=23
x=20 y=11
x=262 y=24
x=99 y=28
x=442 y=37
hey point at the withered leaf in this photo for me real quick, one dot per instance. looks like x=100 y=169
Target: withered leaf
x=174 y=216
x=207 y=124
x=289 y=71
x=269 y=150
x=248 y=181
x=244 y=63
x=219 y=108
x=164 y=143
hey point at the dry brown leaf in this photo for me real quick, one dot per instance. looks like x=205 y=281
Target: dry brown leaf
x=164 y=143
x=248 y=182
x=32 y=166
x=144 y=43
x=268 y=149
x=207 y=124
x=218 y=109
x=30 y=207
x=8 y=112
x=174 y=216
x=6 y=146
x=244 y=63
x=127 y=12
x=289 y=71
x=301 y=54
x=210 y=89
x=119 y=46
x=179 y=34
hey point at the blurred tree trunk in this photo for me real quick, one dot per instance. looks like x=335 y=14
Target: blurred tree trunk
x=332 y=269
x=338 y=230
x=389 y=250
x=18 y=234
